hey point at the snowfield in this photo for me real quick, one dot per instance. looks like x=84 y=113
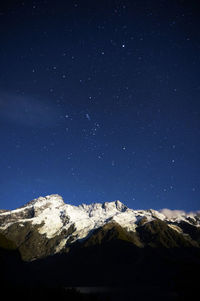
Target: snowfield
x=53 y=215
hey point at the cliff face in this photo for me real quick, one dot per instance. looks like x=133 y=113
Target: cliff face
x=47 y=226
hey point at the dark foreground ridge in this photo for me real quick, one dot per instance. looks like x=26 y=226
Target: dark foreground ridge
x=107 y=266
x=50 y=250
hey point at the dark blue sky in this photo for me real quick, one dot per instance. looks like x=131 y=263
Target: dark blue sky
x=99 y=101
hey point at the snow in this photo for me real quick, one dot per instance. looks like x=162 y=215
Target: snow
x=157 y=214
x=61 y=245
x=174 y=227
x=127 y=220
x=53 y=215
x=12 y=211
x=50 y=215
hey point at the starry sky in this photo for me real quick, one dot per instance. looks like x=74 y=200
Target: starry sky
x=99 y=101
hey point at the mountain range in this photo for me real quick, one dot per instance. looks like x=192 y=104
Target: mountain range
x=106 y=244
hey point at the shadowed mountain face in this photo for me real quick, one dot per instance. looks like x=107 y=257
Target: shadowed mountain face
x=47 y=226
x=136 y=253
x=124 y=271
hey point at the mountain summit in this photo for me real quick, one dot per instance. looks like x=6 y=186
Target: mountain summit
x=47 y=225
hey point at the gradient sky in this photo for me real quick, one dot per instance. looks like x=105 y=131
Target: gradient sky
x=99 y=101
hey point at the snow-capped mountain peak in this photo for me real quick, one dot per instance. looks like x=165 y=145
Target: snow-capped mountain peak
x=64 y=223
x=53 y=200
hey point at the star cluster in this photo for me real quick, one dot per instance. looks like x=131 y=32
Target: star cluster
x=99 y=100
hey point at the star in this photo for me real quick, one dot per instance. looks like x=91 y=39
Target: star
x=102 y=96
x=88 y=116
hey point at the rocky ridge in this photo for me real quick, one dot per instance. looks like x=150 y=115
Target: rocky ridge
x=47 y=225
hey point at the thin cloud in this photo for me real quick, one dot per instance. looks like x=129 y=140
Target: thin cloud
x=27 y=111
x=176 y=213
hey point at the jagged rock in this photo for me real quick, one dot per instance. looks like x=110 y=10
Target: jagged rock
x=46 y=226
x=157 y=233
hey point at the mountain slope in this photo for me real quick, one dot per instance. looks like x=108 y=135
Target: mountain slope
x=46 y=226
x=129 y=253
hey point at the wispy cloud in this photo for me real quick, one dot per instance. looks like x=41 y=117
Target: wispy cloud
x=172 y=213
x=176 y=213
x=27 y=110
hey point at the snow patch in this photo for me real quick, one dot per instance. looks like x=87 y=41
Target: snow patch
x=53 y=216
x=176 y=228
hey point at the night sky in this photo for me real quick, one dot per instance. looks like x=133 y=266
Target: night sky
x=100 y=101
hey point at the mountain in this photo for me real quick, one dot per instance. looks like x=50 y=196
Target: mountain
x=48 y=247
x=47 y=226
